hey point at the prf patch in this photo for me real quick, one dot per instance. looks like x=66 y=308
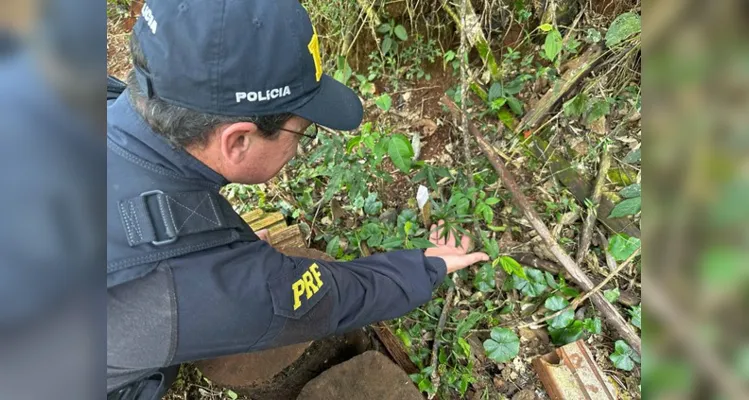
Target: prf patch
x=310 y=283
x=299 y=290
x=314 y=49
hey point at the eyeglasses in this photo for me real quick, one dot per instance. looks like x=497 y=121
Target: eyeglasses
x=311 y=132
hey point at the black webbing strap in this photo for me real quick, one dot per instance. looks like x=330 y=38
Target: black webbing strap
x=161 y=218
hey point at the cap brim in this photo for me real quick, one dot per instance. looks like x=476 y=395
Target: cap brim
x=335 y=106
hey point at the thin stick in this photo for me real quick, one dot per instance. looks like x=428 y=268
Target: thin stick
x=437 y=334
x=590 y=221
x=576 y=303
x=610 y=261
x=451 y=291
x=610 y=313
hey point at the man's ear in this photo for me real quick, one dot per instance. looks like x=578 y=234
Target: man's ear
x=236 y=139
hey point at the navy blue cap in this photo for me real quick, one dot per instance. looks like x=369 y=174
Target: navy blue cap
x=241 y=58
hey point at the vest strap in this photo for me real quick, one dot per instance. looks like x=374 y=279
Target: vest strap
x=162 y=218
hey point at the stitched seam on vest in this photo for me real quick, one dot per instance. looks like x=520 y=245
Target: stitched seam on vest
x=142 y=163
x=126 y=221
x=195 y=211
x=137 y=224
x=163 y=214
x=159 y=256
x=213 y=206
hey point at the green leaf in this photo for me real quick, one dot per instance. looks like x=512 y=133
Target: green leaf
x=384 y=28
x=421 y=243
x=627 y=207
x=553 y=44
x=515 y=105
x=622 y=246
x=623 y=27
x=514 y=87
x=400 y=152
x=392 y=243
x=550 y=281
x=495 y=91
x=468 y=323
x=371 y=205
x=611 y=294
x=593 y=325
x=563 y=336
x=353 y=143
x=387 y=44
x=512 y=267
x=597 y=110
x=546 y=27
x=631 y=191
x=333 y=247
x=634 y=157
x=556 y=303
x=534 y=286
x=367 y=88
x=492 y=201
x=231 y=394
x=400 y=31
x=464 y=346
x=384 y=102
x=624 y=357
x=503 y=346
x=484 y=280
x=636 y=314
x=576 y=106
x=562 y=320
x=492 y=248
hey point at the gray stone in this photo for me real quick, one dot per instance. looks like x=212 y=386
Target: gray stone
x=368 y=376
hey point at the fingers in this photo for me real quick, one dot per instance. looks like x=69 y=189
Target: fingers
x=264 y=235
x=455 y=263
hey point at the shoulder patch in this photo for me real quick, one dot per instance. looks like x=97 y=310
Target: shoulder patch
x=295 y=293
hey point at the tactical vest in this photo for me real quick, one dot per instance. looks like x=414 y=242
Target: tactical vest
x=154 y=214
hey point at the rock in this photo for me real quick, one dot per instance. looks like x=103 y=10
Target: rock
x=524 y=395
x=368 y=376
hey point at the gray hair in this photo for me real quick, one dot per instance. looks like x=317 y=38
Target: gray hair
x=183 y=127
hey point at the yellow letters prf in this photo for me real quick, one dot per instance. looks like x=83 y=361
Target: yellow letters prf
x=308 y=285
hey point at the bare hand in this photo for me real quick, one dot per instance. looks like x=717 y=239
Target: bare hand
x=264 y=235
x=451 y=251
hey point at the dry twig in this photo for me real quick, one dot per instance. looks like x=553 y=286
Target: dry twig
x=590 y=220
x=437 y=334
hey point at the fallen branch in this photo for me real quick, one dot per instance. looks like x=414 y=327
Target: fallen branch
x=576 y=69
x=576 y=303
x=469 y=24
x=437 y=334
x=590 y=220
x=610 y=313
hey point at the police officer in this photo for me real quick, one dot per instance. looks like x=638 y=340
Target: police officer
x=222 y=91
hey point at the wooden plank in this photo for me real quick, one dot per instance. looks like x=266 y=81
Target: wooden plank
x=252 y=216
x=395 y=347
x=267 y=221
x=571 y=373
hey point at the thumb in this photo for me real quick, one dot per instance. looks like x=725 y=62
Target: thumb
x=455 y=263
